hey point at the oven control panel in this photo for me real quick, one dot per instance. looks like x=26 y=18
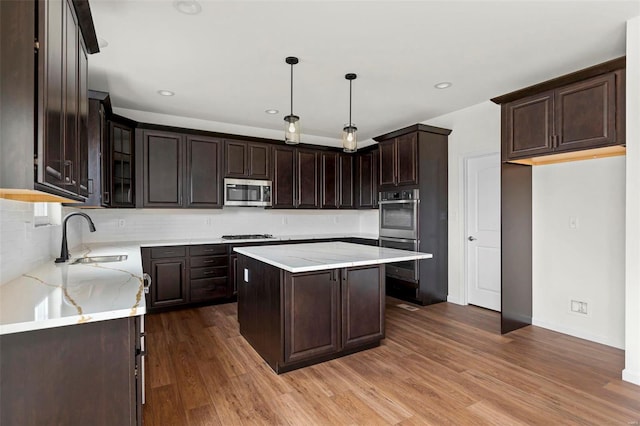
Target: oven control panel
x=406 y=194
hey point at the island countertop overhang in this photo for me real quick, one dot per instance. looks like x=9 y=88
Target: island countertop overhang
x=309 y=257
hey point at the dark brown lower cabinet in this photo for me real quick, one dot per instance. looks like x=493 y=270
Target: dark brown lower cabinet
x=296 y=320
x=84 y=374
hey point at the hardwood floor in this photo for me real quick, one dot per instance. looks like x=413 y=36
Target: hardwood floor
x=442 y=364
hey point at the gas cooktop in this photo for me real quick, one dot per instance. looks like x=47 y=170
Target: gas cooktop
x=247 y=237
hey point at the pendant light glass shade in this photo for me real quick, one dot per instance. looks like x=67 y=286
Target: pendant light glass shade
x=292 y=122
x=349 y=138
x=349 y=131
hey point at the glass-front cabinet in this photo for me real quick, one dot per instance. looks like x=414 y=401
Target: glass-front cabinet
x=122 y=148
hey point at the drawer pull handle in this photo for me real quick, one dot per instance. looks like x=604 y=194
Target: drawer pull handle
x=208 y=261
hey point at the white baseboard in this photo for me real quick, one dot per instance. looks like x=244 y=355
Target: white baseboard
x=454 y=300
x=631 y=376
x=604 y=340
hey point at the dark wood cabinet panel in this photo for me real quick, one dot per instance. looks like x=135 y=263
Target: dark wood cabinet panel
x=247 y=160
x=329 y=180
x=235 y=159
x=529 y=126
x=70 y=84
x=585 y=114
x=96 y=144
x=407 y=159
x=577 y=116
x=362 y=305
x=388 y=162
x=203 y=180
x=74 y=375
x=398 y=160
x=51 y=36
x=83 y=121
x=168 y=285
x=366 y=182
x=346 y=197
x=307 y=178
x=259 y=161
x=162 y=169
x=311 y=312
x=121 y=165
x=284 y=182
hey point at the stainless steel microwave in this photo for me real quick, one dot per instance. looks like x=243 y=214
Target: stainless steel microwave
x=247 y=192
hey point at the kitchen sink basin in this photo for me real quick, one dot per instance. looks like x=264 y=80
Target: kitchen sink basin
x=101 y=259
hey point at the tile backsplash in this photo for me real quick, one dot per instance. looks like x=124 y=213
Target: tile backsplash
x=23 y=246
x=150 y=225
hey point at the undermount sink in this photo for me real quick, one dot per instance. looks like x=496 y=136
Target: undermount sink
x=101 y=259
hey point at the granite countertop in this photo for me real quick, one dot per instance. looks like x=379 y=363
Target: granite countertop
x=331 y=255
x=55 y=295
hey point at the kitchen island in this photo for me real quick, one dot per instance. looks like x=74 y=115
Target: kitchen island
x=301 y=304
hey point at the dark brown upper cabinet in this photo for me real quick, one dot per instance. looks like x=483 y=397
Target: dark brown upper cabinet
x=346 y=172
x=62 y=100
x=284 y=177
x=579 y=111
x=203 y=178
x=307 y=178
x=398 y=161
x=120 y=181
x=329 y=180
x=181 y=170
x=247 y=160
x=366 y=184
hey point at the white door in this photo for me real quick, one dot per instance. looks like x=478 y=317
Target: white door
x=482 y=237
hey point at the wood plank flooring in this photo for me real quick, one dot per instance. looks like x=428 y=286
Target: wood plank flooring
x=442 y=364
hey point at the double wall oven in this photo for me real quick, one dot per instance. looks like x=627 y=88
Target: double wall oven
x=399 y=211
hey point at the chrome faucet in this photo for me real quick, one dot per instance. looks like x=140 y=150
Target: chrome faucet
x=64 y=250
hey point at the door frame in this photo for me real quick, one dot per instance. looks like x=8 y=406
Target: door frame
x=464 y=293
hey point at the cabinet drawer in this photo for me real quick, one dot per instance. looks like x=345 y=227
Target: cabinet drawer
x=197 y=273
x=208 y=288
x=208 y=261
x=207 y=250
x=162 y=252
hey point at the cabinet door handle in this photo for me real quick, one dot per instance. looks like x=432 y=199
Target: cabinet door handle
x=105 y=197
x=146 y=278
x=206 y=262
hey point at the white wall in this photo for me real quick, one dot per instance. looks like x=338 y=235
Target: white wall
x=164 y=224
x=631 y=372
x=585 y=263
x=475 y=131
x=22 y=246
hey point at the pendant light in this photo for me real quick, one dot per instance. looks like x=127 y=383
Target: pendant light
x=349 y=138
x=292 y=122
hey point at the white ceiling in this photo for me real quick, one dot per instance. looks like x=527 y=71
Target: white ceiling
x=227 y=64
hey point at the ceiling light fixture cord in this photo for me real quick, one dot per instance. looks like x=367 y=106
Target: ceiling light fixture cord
x=350 y=95
x=292 y=89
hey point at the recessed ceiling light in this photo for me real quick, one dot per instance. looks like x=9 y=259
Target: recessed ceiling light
x=102 y=43
x=188 y=7
x=443 y=85
x=165 y=93
x=271 y=111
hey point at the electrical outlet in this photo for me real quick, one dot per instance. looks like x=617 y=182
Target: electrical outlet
x=284 y=220
x=579 y=307
x=573 y=222
x=336 y=219
x=121 y=223
x=207 y=221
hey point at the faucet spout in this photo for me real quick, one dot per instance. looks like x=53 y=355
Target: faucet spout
x=64 y=250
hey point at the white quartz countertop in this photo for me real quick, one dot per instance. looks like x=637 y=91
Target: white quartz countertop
x=308 y=257
x=274 y=238
x=55 y=295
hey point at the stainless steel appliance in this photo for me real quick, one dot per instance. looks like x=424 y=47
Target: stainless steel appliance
x=399 y=212
x=247 y=192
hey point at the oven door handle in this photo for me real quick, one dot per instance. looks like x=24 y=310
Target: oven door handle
x=399 y=202
x=399 y=240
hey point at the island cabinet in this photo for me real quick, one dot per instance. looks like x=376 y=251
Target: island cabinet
x=298 y=319
x=247 y=160
x=84 y=374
